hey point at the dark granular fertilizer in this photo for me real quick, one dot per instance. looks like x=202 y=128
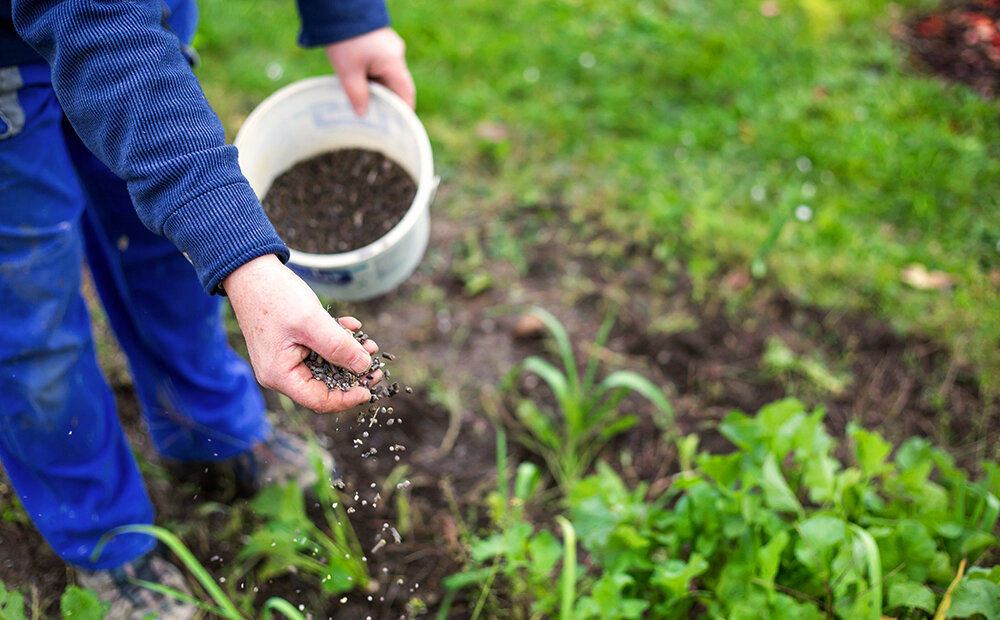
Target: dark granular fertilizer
x=337 y=378
x=339 y=201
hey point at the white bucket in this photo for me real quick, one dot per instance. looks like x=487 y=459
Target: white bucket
x=314 y=116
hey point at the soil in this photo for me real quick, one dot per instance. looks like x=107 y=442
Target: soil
x=339 y=201
x=704 y=344
x=961 y=42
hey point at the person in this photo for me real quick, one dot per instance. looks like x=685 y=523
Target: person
x=110 y=151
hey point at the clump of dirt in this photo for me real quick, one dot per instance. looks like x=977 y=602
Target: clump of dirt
x=962 y=43
x=339 y=201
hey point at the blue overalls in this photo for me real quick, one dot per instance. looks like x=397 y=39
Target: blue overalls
x=61 y=442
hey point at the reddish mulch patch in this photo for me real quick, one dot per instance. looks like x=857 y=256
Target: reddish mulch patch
x=962 y=42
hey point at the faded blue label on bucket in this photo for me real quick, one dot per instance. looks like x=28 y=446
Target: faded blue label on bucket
x=332 y=113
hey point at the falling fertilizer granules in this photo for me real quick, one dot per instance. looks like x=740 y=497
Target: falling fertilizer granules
x=337 y=378
x=339 y=201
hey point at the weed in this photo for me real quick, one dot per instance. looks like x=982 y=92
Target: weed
x=76 y=603
x=288 y=540
x=587 y=414
x=220 y=605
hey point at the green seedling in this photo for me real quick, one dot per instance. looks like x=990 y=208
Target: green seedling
x=587 y=413
x=528 y=563
x=220 y=604
x=287 y=539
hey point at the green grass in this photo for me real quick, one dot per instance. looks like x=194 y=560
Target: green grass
x=698 y=126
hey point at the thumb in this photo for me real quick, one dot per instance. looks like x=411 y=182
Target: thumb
x=355 y=84
x=337 y=346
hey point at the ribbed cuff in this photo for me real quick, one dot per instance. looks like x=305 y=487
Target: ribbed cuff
x=324 y=23
x=221 y=230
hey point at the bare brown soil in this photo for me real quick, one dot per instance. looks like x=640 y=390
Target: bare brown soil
x=453 y=347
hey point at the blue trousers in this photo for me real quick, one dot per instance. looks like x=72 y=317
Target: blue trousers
x=61 y=442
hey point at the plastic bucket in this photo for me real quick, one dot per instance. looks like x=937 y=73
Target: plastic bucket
x=314 y=116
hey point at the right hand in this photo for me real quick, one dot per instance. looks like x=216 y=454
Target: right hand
x=282 y=319
x=378 y=55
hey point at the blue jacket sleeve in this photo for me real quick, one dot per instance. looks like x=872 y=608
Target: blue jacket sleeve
x=131 y=96
x=331 y=21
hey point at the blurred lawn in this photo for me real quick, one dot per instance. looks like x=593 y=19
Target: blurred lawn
x=700 y=126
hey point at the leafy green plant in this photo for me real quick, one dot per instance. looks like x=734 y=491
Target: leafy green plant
x=587 y=412
x=525 y=559
x=777 y=528
x=221 y=604
x=781 y=361
x=781 y=528
x=288 y=540
x=11 y=604
x=76 y=603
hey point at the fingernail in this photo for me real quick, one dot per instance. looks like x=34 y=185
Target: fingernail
x=361 y=362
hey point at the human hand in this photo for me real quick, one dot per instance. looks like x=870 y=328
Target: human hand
x=377 y=55
x=282 y=319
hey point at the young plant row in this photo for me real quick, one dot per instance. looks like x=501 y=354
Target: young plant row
x=777 y=528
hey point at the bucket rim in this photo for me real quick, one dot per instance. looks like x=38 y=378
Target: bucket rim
x=426 y=183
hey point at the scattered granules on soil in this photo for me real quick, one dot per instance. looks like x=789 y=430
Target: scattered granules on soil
x=962 y=42
x=339 y=201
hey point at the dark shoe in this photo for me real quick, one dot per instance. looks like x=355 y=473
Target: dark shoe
x=280 y=459
x=129 y=600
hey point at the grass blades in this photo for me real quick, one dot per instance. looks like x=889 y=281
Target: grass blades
x=226 y=608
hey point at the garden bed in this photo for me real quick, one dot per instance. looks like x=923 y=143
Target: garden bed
x=740 y=347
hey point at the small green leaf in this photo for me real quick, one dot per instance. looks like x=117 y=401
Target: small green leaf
x=911 y=595
x=11 y=604
x=537 y=422
x=562 y=344
x=544 y=550
x=646 y=388
x=467 y=578
x=820 y=537
x=949 y=529
x=976 y=542
x=777 y=494
x=556 y=380
x=526 y=481
x=724 y=470
x=80 y=604
x=618 y=427
x=742 y=430
x=607 y=600
x=870 y=450
x=676 y=575
x=769 y=558
x=992 y=575
x=975 y=596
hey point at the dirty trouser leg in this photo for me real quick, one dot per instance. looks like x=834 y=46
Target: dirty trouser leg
x=60 y=440
x=200 y=398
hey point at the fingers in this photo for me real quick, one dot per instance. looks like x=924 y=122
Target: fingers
x=349 y=322
x=399 y=81
x=355 y=83
x=338 y=346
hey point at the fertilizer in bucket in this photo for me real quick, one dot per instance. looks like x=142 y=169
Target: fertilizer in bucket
x=351 y=193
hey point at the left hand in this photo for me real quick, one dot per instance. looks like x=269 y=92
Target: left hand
x=379 y=56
